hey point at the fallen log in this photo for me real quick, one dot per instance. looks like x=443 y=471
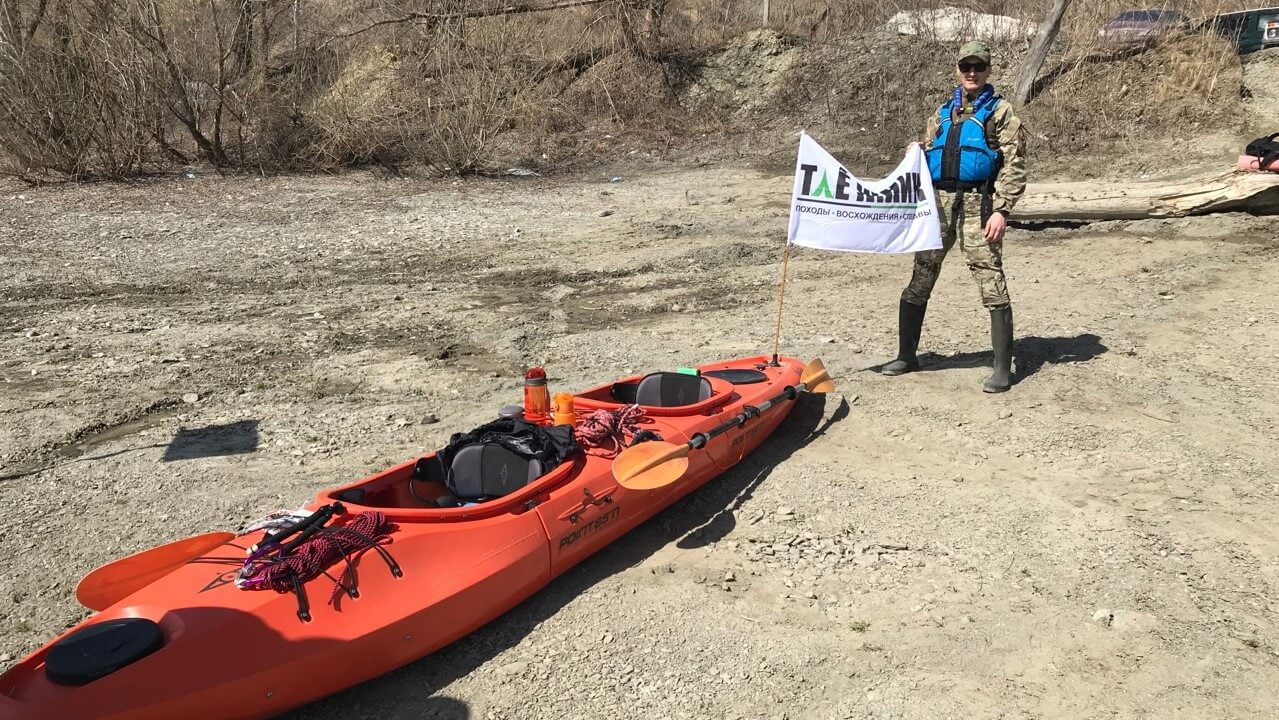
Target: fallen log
x=1217 y=191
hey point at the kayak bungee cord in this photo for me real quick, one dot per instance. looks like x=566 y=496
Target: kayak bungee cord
x=372 y=540
x=605 y=433
x=287 y=568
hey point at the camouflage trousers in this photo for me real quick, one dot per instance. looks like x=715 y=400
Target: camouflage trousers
x=961 y=219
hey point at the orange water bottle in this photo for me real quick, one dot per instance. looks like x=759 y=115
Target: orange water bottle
x=563 y=413
x=537 y=400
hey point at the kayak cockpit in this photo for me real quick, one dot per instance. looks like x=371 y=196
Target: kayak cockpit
x=487 y=479
x=659 y=394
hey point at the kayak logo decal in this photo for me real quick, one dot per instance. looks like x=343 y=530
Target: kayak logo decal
x=225 y=578
x=590 y=528
x=741 y=438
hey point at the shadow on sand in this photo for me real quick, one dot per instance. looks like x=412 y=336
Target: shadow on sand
x=1030 y=354
x=188 y=444
x=235 y=438
x=705 y=515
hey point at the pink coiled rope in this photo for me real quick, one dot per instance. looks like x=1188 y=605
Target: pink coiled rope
x=605 y=433
x=365 y=531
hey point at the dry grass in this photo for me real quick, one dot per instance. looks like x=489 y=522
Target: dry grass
x=1183 y=87
x=152 y=83
x=625 y=88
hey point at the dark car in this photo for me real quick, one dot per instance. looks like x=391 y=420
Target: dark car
x=1139 y=26
x=1248 y=30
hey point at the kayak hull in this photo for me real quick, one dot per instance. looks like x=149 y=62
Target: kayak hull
x=232 y=653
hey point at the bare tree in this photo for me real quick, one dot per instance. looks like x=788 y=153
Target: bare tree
x=148 y=26
x=1038 y=52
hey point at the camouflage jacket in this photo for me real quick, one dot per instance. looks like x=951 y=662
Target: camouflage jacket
x=1005 y=132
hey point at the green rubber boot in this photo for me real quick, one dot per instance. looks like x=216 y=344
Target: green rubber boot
x=1001 y=340
x=910 y=324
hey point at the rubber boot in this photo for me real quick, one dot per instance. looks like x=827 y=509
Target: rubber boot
x=910 y=323
x=1001 y=340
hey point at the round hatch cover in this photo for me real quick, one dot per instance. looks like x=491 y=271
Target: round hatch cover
x=100 y=649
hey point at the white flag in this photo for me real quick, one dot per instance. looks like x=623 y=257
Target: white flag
x=832 y=210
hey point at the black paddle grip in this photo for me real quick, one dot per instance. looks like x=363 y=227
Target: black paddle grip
x=301 y=538
x=306 y=526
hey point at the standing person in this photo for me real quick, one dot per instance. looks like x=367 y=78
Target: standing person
x=976 y=153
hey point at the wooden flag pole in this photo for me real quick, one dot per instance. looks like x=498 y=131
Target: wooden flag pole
x=781 y=292
x=777 y=334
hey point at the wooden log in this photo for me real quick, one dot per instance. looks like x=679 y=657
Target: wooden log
x=1217 y=191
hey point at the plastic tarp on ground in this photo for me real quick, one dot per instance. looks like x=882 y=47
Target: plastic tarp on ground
x=952 y=24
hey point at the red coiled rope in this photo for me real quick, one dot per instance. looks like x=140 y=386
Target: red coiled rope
x=605 y=433
x=314 y=555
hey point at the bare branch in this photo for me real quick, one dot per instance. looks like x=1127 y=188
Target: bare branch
x=185 y=112
x=1025 y=85
x=35 y=21
x=487 y=12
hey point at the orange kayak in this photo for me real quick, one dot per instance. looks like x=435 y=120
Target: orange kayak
x=193 y=643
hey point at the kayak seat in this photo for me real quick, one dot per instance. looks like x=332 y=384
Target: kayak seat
x=489 y=470
x=670 y=389
x=665 y=394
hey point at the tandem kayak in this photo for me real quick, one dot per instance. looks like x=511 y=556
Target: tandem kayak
x=192 y=641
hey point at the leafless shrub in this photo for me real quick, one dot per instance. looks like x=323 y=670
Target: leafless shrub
x=74 y=102
x=625 y=88
x=462 y=101
x=114 y=87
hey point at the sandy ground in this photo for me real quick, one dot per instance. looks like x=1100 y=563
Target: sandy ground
x=187 y=355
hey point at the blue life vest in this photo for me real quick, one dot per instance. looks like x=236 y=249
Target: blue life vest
x=960 y=157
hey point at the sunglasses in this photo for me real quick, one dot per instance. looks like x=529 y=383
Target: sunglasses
x=973 y=67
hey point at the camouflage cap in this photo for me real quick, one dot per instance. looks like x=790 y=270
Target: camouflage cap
x=975 y=49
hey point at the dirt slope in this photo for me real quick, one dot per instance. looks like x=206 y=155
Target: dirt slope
x=1097 y=542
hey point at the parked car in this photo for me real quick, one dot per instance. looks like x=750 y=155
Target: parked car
x=1249 y=30
x=1139 y=26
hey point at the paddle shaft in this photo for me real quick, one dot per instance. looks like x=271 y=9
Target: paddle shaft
x=791 y=392
x=636 y=467
x=699 y=440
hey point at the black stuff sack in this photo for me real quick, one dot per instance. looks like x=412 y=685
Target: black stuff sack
x=549 y=445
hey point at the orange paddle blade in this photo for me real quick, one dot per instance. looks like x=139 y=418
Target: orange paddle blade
x=650 y=465
x=118 y=579
x=815 y=377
